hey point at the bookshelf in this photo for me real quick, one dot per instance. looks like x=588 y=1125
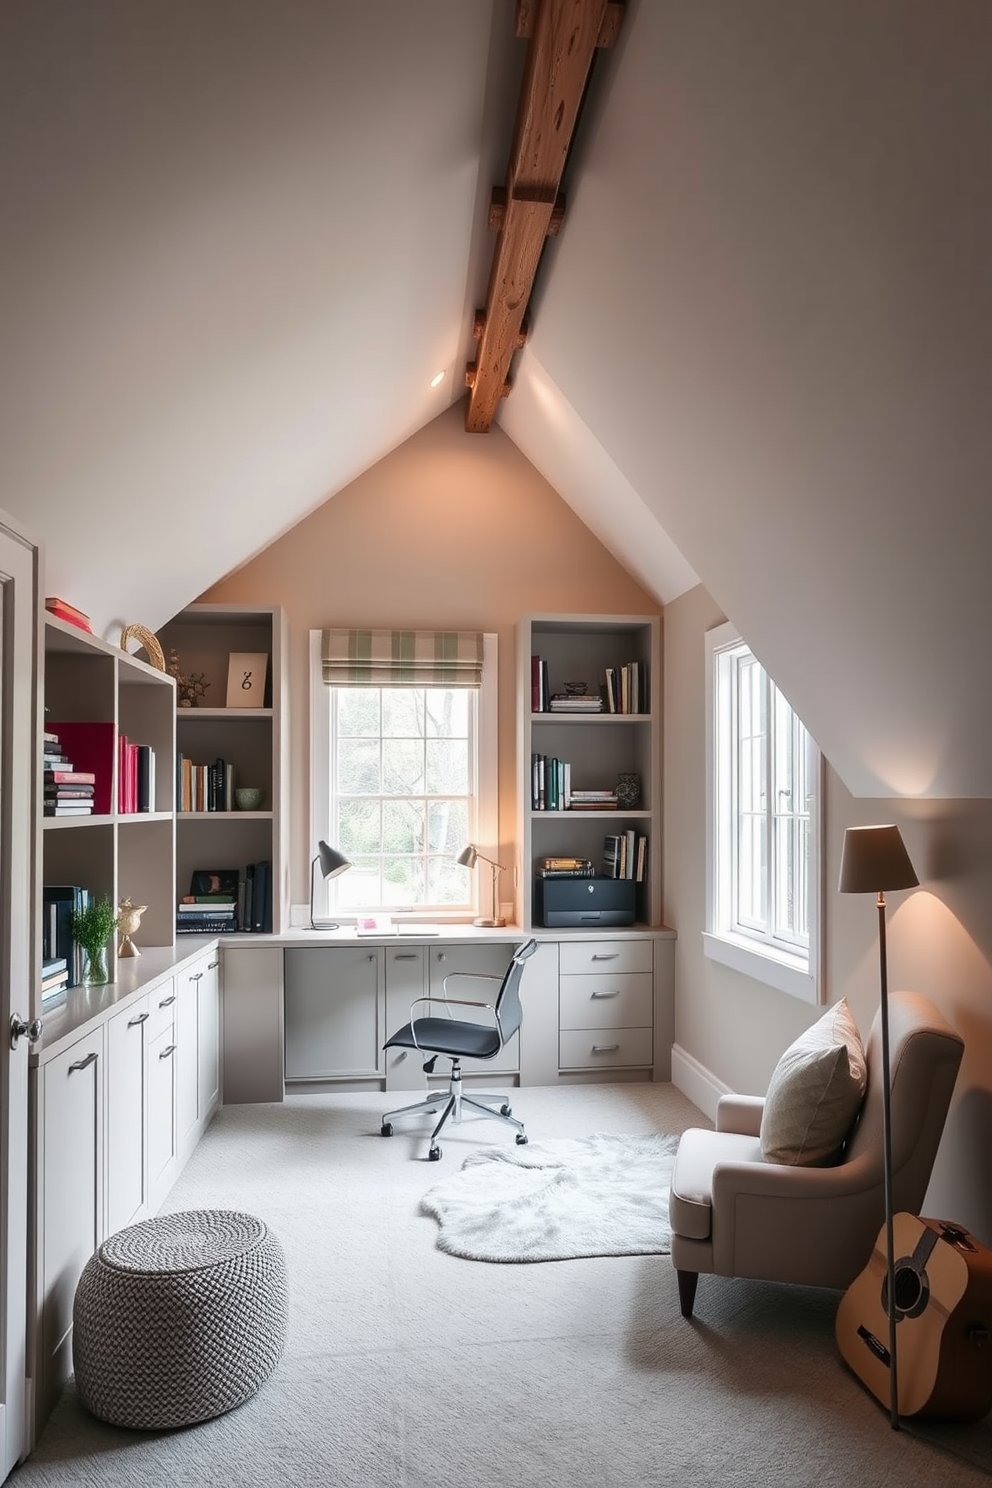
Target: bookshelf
x=250 y=740
x=121 y=853
x=598 y=747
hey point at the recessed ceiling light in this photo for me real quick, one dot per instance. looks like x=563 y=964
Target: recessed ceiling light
x=437 y=379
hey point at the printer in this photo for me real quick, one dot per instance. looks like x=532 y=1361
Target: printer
x=584 y=901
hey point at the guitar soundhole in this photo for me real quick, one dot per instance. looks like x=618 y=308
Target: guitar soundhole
x=911 y=1291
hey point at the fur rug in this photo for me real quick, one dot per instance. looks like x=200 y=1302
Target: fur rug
x=555 y=1201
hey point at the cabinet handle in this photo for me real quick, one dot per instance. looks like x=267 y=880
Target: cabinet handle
x=604 y=955
x=168 y=1001
x=614 y=993
x=405 y=956
x=82 y=1064
x=604 y=1048
x=212 y=965
x=137 y=1022
x=166 y=1052
x=196 y=976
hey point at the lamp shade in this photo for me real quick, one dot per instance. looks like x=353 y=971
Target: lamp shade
x=467 y=857
x=875 y=859
x=331 y=861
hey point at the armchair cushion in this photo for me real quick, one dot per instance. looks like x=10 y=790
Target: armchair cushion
x=815 y=1093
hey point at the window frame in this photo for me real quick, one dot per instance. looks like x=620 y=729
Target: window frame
x=486 y=829
x=764 y=958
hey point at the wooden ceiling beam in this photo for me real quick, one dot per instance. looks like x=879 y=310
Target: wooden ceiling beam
x=563 y=36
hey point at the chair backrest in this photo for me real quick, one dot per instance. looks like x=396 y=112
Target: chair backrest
x=509 y=1014
x=924 y=1055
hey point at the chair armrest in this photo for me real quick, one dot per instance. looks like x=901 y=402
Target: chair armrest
x=448 y=1003
x=740 y=1113
x=475 y=976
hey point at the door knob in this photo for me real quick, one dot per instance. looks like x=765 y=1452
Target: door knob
x=18 y=1029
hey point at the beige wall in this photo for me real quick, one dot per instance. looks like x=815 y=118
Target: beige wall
x=939 y=936
x=450 y=530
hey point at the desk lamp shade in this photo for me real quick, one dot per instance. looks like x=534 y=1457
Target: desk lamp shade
x=875 y=859
x=331 y=863
x=467 y=858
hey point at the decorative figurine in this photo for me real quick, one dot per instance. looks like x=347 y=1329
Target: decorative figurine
x=128 y=920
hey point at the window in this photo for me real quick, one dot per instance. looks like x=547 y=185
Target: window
x=763 y=828
x=402 y=779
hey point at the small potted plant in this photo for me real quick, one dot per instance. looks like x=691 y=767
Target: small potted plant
x=92 y=927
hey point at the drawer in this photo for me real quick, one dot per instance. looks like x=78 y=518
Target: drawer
x=162 y=1009
x=606 y=1000
x=605 y=1048
x=580 y=957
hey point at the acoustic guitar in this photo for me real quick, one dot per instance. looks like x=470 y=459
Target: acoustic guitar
x=943 y=1307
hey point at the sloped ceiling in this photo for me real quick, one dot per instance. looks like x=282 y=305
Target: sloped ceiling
x=240 y=236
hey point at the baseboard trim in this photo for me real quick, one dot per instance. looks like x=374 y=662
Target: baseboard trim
x=696 y=1082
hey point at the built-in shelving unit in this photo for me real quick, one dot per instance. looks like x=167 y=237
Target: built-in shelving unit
x=252 y=740
x=598 y=747
x=122 y=854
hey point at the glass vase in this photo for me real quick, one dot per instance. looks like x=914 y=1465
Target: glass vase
x=95 y=972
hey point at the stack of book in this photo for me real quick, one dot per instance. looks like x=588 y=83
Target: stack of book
x=626 y=688
x=67 y=792
x=54 y=976
x=575 y=702
x=206 y=914
x=550 y=783
x=565 y=868
x=625 y=855
x=592 y=800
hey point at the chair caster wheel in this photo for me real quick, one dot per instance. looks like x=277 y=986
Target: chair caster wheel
x=386 y=1129
x=521 y=1139
x=505 y=1110
x=434 y=1155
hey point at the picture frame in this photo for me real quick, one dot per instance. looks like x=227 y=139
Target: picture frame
x=246 y=674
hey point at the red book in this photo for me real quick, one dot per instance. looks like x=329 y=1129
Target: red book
x=91 y=744
x=65 y=611
x=70 y=777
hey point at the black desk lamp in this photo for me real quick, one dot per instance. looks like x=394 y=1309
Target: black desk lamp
x=331 y=864
x=875 y=859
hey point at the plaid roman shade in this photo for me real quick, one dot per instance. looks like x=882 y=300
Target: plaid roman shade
x=401 y=658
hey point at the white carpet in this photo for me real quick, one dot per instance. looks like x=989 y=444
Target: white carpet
x=555 y=1201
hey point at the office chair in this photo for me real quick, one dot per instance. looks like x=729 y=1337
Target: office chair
x=457 y=1039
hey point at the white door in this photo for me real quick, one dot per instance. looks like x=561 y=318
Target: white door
x=18 y=652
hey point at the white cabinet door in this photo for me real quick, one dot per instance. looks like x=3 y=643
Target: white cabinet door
x=187 y=1061
x=406 y=980
x=208 y=1038
x=127 y=1108
x=70 y=1168
x=334 y=1013
x=162 y=1162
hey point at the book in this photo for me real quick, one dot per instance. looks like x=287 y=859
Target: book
x=189 y=912
x=205 y=927
x=191 y=899
x=80 y=808
x=65 y=611
x=70 y=777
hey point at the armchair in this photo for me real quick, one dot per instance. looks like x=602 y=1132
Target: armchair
x=735 y=1214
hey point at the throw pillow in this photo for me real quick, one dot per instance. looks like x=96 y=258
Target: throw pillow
x=815 y=1093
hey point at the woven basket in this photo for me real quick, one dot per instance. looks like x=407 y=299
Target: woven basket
x=179 y=1319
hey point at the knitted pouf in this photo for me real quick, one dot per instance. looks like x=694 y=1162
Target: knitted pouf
x=179 y=1318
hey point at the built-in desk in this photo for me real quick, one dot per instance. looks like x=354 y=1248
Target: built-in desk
x=311 y=1010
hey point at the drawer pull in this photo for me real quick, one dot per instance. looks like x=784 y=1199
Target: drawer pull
x=194 y=976
x=212 y=965
x=604 y=955
x=167 y=1001
x=600 y=995
x=605 y=1048
x=405 y=956
x=82 y=1064
x=137 y=1022
x=166 y=1052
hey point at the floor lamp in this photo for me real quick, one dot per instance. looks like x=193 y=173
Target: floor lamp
x=331 y=864
x=875 y=859
x=468 y=857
